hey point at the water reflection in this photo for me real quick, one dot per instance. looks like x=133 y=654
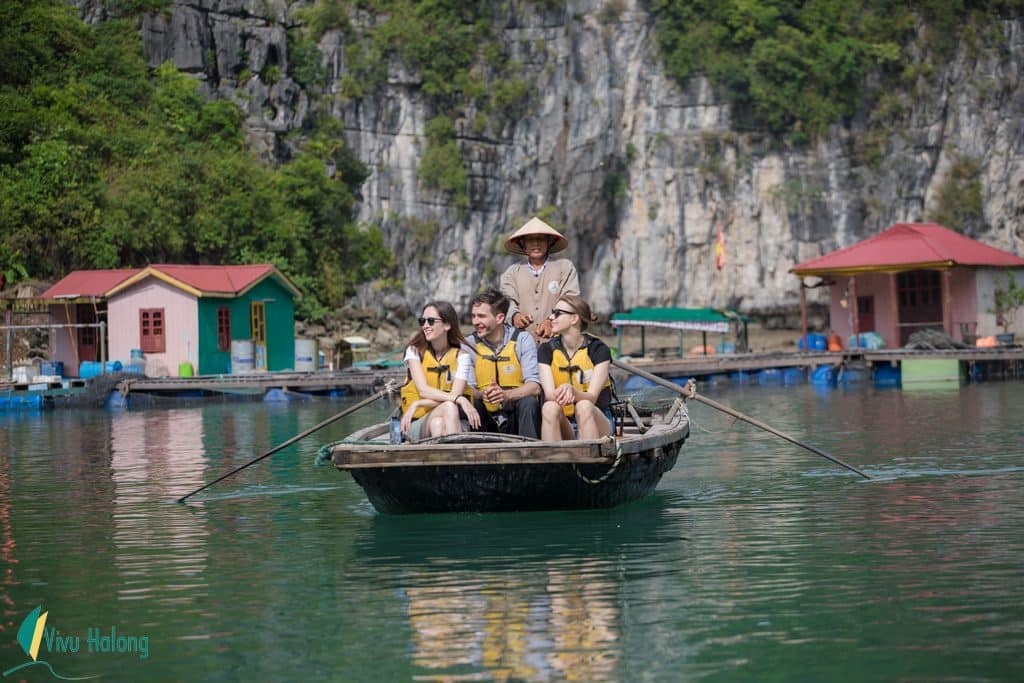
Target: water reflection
x=152 y=452
x=553 y=613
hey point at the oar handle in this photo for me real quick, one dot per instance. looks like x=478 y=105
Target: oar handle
x=348 y=411
x=661 y=381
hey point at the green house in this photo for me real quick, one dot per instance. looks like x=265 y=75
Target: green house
x=216 y=319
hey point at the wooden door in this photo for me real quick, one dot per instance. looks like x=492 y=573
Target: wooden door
x=866 y=313
x=258 y=325
x=87 y=337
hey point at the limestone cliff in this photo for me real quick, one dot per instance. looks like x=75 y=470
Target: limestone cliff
x=640 y=170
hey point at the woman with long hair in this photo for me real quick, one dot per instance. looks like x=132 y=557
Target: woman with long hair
x=574 y=373
x=438 y=365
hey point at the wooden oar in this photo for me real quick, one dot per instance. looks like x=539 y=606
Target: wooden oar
x=662 y=382
x=348 y=411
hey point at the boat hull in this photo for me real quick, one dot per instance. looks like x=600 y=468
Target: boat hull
x=505 y=488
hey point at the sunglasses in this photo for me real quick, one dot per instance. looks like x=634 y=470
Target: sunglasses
x=555 y=312
x=429 y=321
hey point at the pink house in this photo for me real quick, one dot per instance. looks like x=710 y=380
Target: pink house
x=174 y=314
x=909 y=277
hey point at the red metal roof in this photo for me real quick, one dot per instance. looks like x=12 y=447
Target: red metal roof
x=213 y=280
x=88 y=283
x=908 y=246
x=216 y=279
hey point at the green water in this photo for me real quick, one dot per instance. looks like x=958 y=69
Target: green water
x=755 y=560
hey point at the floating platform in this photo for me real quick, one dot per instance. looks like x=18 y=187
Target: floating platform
x=977 y=363
x=39 y=395
x=255 y=385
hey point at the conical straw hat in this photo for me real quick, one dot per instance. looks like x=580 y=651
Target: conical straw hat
x=535 y=226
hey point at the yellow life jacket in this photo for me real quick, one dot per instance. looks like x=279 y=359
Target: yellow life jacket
x=576 y=371
x=501 y=366
x=439 y=375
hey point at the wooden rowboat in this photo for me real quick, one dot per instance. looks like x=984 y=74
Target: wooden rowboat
x=486 y=472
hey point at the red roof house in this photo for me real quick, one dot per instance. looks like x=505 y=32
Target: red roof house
x=175 y=315
x=912 y=276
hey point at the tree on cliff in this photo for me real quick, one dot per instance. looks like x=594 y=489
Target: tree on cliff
x=106 y=164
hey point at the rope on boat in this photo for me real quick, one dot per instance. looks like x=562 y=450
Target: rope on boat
x=611 y=470
x=323 y=454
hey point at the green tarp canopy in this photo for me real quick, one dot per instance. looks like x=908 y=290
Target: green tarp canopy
x=701 y=319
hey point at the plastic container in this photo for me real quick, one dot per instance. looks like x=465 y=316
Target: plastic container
x=866 y=340
x=815 y=342
x=92 y=368
x=823 y=375
x=792 y=376
x=887 y=376
x=770 y=377
x=135 y=354
x=185 y=369
x=242 y=358
x=52 y=367
x=853 y=376
x=305 y=355
x=396 y=430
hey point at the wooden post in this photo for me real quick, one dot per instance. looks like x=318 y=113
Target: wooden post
x=643 y=341
x=704 y=340
x=894 y=297
x=618 y=336
x=9 y=316
x=803 y=313
x=854 y=317
x=947 y=301
x=680 y=339
x=103 y=348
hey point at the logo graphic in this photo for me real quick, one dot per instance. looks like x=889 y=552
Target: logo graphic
x=30 y=635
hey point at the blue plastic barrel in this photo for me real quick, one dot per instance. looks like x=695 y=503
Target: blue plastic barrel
x=823 y=375
x=887 y=376
x=815 y=342
x=770 y=377
x=740 y=377
x=853 y=376
x=791 y=376
x=92 y=368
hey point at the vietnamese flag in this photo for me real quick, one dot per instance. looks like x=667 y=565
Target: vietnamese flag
x=720 y=249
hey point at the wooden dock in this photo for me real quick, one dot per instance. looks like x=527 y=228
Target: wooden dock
x=701 y=366
x=350 y=380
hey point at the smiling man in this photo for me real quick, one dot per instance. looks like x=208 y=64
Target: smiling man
x=506 y=381
x=536 y=285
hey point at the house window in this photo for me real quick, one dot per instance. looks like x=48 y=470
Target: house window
x=223 y=329
x=152 y=334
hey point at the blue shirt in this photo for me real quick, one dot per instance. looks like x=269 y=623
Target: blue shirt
x=526 y=352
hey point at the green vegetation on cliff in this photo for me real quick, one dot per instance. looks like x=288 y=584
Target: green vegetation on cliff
x=104 y=164
x=796 y=66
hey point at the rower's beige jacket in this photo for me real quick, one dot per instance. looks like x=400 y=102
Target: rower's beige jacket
x=536 y=295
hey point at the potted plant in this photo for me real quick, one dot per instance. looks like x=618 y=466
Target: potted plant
x=1005 y=302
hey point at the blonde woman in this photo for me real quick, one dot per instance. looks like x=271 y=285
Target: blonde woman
x=574 y=373
x=438 y=367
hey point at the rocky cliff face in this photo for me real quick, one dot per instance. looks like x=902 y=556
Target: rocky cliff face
x=640 y=170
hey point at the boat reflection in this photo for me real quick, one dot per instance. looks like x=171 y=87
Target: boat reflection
x=555 y=614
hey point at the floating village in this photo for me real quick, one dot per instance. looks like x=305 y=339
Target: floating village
x=915 y=303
